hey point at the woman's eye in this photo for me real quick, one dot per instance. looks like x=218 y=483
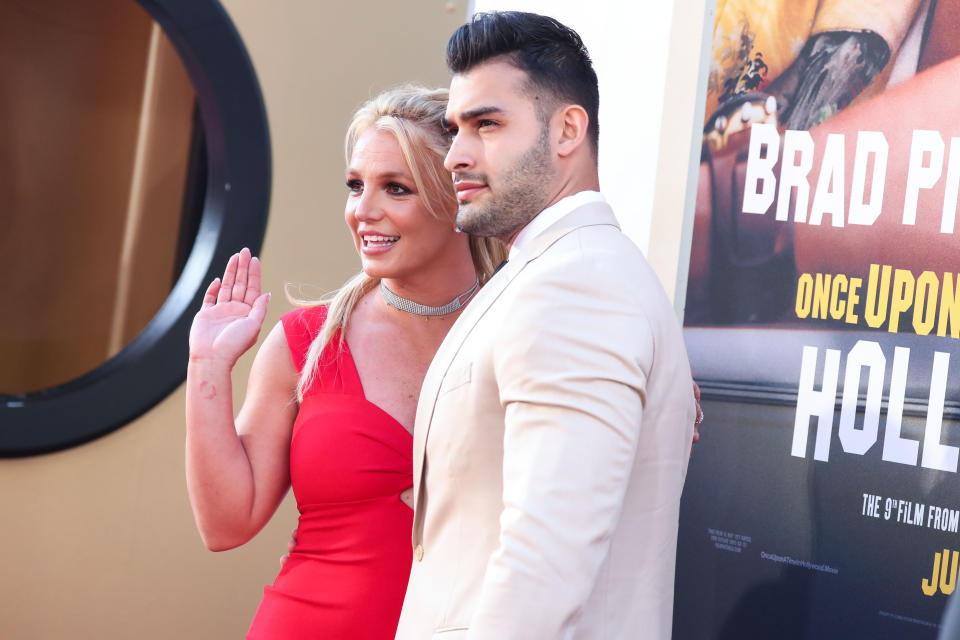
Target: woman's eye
x=397 y=189
x=355 y=186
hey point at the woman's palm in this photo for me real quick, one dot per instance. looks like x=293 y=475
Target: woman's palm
x=232 y=314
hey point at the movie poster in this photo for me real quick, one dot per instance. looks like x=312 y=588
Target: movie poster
x=822 y=321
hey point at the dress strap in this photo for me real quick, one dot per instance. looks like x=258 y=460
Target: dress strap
x=301 y=326
x=336 y=371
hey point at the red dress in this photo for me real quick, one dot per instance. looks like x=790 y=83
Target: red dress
x=349 y=462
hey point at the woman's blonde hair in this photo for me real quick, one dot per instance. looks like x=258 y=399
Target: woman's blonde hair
x=414 y=115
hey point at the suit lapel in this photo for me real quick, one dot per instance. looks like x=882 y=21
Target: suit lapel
x=598 y=213
x=445 y=354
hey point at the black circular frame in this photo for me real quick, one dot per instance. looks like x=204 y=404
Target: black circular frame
x=234 y=216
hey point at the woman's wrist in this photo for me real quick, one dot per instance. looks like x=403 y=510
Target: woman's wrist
x=211 y=362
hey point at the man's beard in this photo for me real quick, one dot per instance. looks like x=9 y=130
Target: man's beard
x=521 y=194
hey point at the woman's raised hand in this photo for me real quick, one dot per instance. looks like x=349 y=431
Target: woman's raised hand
x=233 y=309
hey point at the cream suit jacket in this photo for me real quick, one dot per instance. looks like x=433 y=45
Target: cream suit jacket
x=550 y=449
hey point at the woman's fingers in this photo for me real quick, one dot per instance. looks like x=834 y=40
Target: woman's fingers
x=240 y=284
x=241 y=280
x=699 y=418
x=210 y=297
x=259 y=310
x=229 y=277
x=253 y=282
x=291 y=545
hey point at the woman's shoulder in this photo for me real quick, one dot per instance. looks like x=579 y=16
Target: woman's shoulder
x=308 y=319
x=301 y=326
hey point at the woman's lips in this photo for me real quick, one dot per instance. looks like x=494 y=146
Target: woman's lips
x=372 y=244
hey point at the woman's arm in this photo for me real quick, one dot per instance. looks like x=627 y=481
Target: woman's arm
x=237 y=470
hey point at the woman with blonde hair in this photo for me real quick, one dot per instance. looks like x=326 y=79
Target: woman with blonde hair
x=332 y=394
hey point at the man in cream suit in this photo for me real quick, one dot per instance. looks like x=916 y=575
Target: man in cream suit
x=554 y=425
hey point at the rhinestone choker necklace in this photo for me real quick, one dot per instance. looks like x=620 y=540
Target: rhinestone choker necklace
x=418 y=309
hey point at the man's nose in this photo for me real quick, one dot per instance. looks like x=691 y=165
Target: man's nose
x=459 y=157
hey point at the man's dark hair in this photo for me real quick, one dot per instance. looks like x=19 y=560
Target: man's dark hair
x=551 y=53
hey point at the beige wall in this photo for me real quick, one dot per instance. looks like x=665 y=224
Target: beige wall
x=98 y=541
x=671 y=225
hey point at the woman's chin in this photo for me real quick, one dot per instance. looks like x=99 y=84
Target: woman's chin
x=373 y=269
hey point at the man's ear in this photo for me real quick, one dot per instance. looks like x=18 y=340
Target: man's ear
x=573 y=121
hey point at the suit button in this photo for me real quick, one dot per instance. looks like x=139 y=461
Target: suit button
x=418 y=552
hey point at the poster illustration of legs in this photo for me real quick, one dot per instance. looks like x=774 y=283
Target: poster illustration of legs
x=822 y=320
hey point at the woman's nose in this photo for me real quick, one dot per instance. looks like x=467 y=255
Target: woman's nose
x=368 y=207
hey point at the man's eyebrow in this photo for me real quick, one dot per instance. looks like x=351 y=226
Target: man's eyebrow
x=471 y=114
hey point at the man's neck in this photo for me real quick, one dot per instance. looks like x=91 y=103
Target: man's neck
x=550 y=216
x=588 y=181
x=583 y=181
